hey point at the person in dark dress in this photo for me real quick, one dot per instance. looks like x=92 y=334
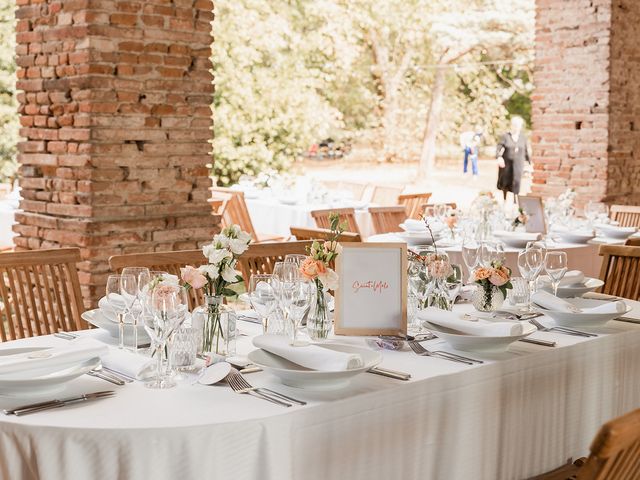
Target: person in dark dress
x=512 y=152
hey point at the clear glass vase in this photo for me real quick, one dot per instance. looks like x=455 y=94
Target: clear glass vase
x=218 y=323
x=487 y=298
x=318 y=321
x=438 y=295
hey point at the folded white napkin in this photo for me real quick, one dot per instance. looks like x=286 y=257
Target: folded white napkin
x=551 y=302
x=311 y=356
x=107 y=310
x=412 y=225
x=129 y=363
x=572 y=278
x=43 y=362
x=479 y=327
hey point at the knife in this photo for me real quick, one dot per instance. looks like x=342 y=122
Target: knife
x=390 y=373
x=628 y=320
x=37 y=407
x=544 y=343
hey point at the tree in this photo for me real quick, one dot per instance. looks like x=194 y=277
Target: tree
x=8 y=104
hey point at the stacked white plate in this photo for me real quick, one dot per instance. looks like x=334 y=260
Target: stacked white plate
x=97 y=318
x=516 y=239
x=416 y=233
x=585 y=319
x=576 y=290
x=577 y=236
x=614 y=231
x=477 y=343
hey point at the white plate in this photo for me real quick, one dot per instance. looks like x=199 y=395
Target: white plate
x=477 y=343
x=576 y=237
x=569 y=319
x=413 y=238
x=620 y=233
x=516 y=239
x=288 y=200
x=294 y=375
x=95 y=318
x=590 y=284
x=29 y=386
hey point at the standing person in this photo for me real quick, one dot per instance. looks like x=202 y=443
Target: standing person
x=475 y=149
x=466 y=143
x=512 y=152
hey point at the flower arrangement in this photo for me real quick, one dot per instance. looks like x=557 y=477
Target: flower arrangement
x=496 y=277
x=317 y=268
x=521 y=219
x=485 y=201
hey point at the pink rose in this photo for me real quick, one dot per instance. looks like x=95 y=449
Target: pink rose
x=499 y=277
x=311 y=268
x=193 y=277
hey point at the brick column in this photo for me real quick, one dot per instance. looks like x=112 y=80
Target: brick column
x=116 y=121
x=586 y=103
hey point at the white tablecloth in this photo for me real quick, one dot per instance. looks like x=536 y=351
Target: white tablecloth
x=519 y=414
x=270 y=216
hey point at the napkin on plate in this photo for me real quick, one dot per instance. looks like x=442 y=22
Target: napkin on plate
x=573 y=278
x=129 y=363
x=107 y=310
x=43 y=362
x=551 y=302
x=413 y=225
x=310 y=356
x=479 y=327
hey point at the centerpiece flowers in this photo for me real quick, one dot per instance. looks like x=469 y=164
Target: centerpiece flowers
x=493 y=282
x=215 y=278
x=317 y=268
x=521 y=220
x=452 y=222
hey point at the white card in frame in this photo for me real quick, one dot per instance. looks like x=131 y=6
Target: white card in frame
x=372 y=295
x=534 y=208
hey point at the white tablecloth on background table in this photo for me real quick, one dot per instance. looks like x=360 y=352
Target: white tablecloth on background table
x=519 y=414
x=7 y=219
x=270 y=216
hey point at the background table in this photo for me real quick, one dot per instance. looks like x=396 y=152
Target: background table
x=519 y=414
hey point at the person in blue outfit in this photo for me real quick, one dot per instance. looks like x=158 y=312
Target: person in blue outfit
x=470 y=143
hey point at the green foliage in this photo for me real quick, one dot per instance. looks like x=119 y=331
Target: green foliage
x=8 y=104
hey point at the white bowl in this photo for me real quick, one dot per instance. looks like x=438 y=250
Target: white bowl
x=576 y=237
x=620 y=233
x=477 y=343
x=516 y=239
x=570 y=319
x=97 y=319
x=415 y=238
x=589 y=285
x=294 y=375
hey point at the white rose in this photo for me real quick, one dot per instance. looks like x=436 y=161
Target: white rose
x=229 y=274
x=219 y=255
x=244 y=236
x=221 y=241
x=329 y=280
x=238 y=246
x=169 y=280
x=210 y=271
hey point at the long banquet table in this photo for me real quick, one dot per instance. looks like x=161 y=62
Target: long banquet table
x=522 y=412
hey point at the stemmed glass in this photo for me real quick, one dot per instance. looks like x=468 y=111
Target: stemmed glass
x=121 y=293
x=594 y=210
x=169 y=309
x=555 y=264
x=491 y=252
x=530 y=263
x=142 y=276
x=293 y=293
x=454 y=282
x=470 y=254
x=262 y=297
x=295 y=258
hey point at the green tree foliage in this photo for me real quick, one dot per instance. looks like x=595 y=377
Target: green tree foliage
x=8 y=104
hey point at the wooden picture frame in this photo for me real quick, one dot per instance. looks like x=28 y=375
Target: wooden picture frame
x=371 y=298
x=533 y=206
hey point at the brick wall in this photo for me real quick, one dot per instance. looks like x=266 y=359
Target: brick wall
x=587 y=78
x=116 y=121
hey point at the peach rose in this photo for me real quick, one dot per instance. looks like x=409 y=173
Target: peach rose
x=193 y=277
x=499 y=276
x=482 y=273
x=311 y=268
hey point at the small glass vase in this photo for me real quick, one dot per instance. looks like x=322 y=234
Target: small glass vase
x=318 y=321
x=218 y=323
x=484 y=230
x=487 y=299
x=438 y=295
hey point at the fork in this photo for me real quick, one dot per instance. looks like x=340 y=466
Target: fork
x=238 y=387
x=420 y=350
x=565 y=330
x=247 y=386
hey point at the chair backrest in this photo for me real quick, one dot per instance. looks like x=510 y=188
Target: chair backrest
x=626 y=215
x=620 y=271
x=347 y=215
x=356 y=189
x=169 y=262
x=387 y=219
x=413 y=203
x=262 y=257
x=40 y=293
x=303 y=233
x=233 y=210
x=385 y=195
x=427 y=209
x=615 y=451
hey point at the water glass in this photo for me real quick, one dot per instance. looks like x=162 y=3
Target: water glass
x=470 y=255
x=121 y=292
x=184 y=347
x=519 y=294
x=555 y=264
x=262 y=297
x=143 y=277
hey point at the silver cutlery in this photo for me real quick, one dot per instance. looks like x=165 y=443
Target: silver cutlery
x=65 y=335
x=565 y=330
x=518 y=316
x=420 y=350
x=122 y=376
x=535 y=341
x=106 y=377
x=385 y=372
x=37 y=407
x=244 y=382
x=235 y=381
x=628 y=320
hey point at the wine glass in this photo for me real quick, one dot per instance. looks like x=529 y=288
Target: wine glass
x=528 y=275
x=301 y=300
x=454 y=282
x=594 y=210
x=143 y=277
x=169 y=309
x=555 y=264
x=121 y=293
x=470 y=254
x=262 y=297
x=295 y=258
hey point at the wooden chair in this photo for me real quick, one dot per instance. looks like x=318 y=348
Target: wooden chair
x=626 y=215
x=632 y=242
x=387 y=219
x=302 y=233
x=356 y=189
x=385 y=195
x=262 y=257
x=231 y=205
x=40 y=293
x=614 y=454
x=413 y=203
x=427 y=209
x=347 y=215
x=169 y=262
x=620 y=271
